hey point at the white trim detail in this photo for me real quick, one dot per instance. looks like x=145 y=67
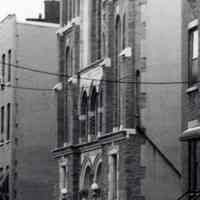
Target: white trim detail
x=127 y=52
x=63 y=29
x=193 y=24
x=73 y=79
x=106 y=62
x=63 y=191
x=58 y=87
x=192 y=130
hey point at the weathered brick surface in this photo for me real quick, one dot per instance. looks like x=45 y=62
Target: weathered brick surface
x=132 y=174
x=190 y=101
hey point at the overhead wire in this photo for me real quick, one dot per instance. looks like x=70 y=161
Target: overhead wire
x=33 y=69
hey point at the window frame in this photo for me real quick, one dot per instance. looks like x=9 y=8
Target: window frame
x=193 y=57
x=9 y=65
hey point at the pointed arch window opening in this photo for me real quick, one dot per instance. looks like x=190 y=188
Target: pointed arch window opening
x=117 y=62
x=94 y=112
x=84 y=117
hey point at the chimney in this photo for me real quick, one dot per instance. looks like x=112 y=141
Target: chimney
x=52 y=11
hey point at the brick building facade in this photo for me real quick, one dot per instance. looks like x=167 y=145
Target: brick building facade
x=190 y=92
x=111 y=143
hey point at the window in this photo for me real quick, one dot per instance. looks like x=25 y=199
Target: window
x=70 y=10
x=194 y=165
x=9 y=66
x=104 y=44
x=84 y=116
x=74 y=8
x=8 y=121
x=99 y=175
x=96 y=30
x=101 y=111
x=124 y=32
x=3 y=67
x=68 y=68
x=117 y=63
x=2 y=120
x=63 y=177
x=113 y=177
x=193 y=55
x=78 y=7
x=88 y=179
x=94 y=112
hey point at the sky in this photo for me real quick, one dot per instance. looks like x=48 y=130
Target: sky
x=22 y=8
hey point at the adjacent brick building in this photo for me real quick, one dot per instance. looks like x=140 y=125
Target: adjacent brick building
x=118 y=137
x=190 y=101
x=28 y=107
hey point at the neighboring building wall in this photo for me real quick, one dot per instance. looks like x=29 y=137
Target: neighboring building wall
x=161 y=47
x=160 y=176
x=37 y=172
x=7 y=42
x=158 y=59
x=190 y=96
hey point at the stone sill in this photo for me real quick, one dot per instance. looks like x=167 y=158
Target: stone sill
x=191 y=134
x=192 y=89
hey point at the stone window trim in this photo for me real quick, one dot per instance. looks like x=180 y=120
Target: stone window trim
x=106 y=62
x=74 y=21
x=97 y=163
x=126 y=52
x=192 y=89
x=85 y=164
x=114 y=151
x=190 y=133
x=193 y=53
x=9 y=65
x=63 y=177
x=193 y=24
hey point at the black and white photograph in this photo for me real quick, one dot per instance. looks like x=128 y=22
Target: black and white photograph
x=100 y=100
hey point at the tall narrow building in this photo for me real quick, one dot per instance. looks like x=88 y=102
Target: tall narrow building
x=27 y=110
x=119 y=115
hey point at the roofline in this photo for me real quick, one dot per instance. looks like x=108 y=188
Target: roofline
x=8 y=17
x=39 y=23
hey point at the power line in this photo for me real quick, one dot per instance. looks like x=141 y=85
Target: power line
x=102 y=80
x=33 y=69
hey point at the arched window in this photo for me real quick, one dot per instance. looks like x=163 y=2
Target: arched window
x=94 y=112
x=118 y=35
x=71 y=63
x=117 y=50
x=84 y=116
x=104 y=45
x=9 y=66
x=88 y=179
x=96 y=30
x=101 y=110
x=3 y=67
x=99 y=175
x=138 y=83
x=124 y=32
x=78 y=7
x=68 y=68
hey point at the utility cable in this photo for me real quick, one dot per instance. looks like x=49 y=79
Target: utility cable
x=101 y=80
